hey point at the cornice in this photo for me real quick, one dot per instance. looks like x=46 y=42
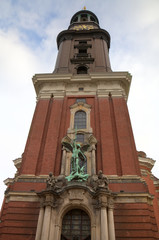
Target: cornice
x=21 y=196
x=26 y=178
x=8 y=181
x=125 y=179
x=134 y=198
x=93 y=33
x=17 y=162
x=156 y=182
x=147 y=162
x=100 y=84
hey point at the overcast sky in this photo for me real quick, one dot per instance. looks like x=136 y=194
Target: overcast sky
x=28 y=31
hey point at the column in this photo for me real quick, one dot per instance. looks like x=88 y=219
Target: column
x=111 y=223
x=68 y=163
x=93 y=159
x=63 y=161
x=52 y=225
x=93 y=232
x=57 y=232
x=40 y=223
x=46 y=223
x=104 y=224
x=98 y=225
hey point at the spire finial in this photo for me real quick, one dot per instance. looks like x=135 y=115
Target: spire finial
x=84 y=8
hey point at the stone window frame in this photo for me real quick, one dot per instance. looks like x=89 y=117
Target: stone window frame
x=80 y=106
x=88 y=138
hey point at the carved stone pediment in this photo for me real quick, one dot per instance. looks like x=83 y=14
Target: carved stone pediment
x=77 y=194
x=76 y=105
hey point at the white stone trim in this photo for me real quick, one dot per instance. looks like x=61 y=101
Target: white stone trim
x=22 y=197
x=17 y=162
x=134 y=198
x=80 y=107
x=99 y=84
x=147 y=162
x=125 y=177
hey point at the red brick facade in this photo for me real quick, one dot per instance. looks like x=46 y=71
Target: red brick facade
x=116 y=155
x=134 y=189
x=116 y=152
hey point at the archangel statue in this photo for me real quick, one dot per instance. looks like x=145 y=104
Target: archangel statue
x=77 y=172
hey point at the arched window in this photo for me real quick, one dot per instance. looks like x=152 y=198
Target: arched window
x=75 y=19
x=76 y=226
x=82 y=70
x=92 y=19
x=80 y=120
x=84 y=17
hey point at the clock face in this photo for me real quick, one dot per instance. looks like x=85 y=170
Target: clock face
x=83 y=27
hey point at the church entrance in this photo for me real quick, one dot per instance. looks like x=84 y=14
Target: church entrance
x=76 y=226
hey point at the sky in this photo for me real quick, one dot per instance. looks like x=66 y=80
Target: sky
x=28 y=31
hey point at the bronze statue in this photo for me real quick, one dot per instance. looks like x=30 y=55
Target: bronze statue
x=77 y=172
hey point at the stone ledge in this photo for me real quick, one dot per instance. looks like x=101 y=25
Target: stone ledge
x=21 y=196
x=100 y=84
x=134 y=198
x=125 y=179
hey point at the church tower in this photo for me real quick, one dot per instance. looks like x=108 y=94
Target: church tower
x=80 y=176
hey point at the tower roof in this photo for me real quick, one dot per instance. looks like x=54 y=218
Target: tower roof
x=84 y=16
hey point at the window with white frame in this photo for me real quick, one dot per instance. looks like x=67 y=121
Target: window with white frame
x=80 y=120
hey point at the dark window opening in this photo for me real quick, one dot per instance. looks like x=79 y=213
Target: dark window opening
x=81 y=100
x=83 y=165
x=82 y=42
x=80 y=120
x=84 y=17
x=80 y=137
x=82 y=70
x=81 y=89
x=76 y=226
x=75 y=19
x=84 y=50
x=92 y=19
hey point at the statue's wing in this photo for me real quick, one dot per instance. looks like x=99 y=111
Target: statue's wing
x=82 y=156
x=85 y=147
x=68 y=146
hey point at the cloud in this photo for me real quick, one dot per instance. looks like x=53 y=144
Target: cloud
x=17 y=98
x=15 y=57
